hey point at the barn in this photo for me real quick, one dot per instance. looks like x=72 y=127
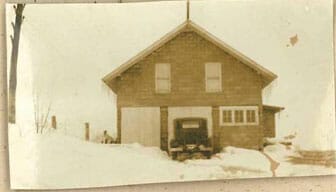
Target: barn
x=190 y=73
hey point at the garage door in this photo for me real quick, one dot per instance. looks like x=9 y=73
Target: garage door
x=140 y=125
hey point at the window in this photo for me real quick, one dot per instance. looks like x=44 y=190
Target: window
x=190 y=124
x=213 y=77
x=227 y=116
x=162 y=78
x=250 y=116
x=238 y=115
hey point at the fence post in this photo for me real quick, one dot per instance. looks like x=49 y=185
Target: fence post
x=87 y=131
x=53 y=122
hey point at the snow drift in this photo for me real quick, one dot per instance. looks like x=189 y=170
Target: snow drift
x=53 y=160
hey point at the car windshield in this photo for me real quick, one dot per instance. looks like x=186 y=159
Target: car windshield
x=190 y=124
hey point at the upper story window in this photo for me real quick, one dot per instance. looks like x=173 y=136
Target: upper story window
x=213 y=77
x=162 y=77
x=238 y=115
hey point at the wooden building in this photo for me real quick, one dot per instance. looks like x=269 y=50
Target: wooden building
x=191 y=73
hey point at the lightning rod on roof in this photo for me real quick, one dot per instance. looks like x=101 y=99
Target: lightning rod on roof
x=188 y=5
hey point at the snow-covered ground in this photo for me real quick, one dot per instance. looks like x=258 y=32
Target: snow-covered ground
x=54 y=160
x=281 y=154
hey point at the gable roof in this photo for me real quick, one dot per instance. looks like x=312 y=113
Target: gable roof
x=188 y=25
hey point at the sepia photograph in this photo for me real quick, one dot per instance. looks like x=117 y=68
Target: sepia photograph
x=111 y=94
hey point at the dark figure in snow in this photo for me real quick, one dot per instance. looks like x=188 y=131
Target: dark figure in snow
x=107 y=139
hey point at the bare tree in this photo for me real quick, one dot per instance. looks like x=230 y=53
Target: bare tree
x=14 y=57
x=41 y=114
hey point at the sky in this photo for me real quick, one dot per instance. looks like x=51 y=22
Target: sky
x=66 y=49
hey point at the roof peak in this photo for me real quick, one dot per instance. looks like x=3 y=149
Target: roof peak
x=188 y=25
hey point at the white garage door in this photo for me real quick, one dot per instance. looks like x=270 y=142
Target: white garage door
x=140 y=125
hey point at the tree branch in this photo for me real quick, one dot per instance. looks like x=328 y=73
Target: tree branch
x=44 y=123
x=12 y=38
x=19 y=9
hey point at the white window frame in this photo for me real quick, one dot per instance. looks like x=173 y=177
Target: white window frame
x=161 y=91
x=207 y=89
x=233 y=109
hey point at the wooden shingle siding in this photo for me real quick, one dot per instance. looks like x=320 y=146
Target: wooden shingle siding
x=269 y=123
x=240 y=136
x=187 y=54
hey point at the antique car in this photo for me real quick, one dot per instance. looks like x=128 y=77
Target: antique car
x=190 y=139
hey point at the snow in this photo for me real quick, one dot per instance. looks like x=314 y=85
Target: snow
x=244 y=160
x=53 y=161
x=281 y=154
